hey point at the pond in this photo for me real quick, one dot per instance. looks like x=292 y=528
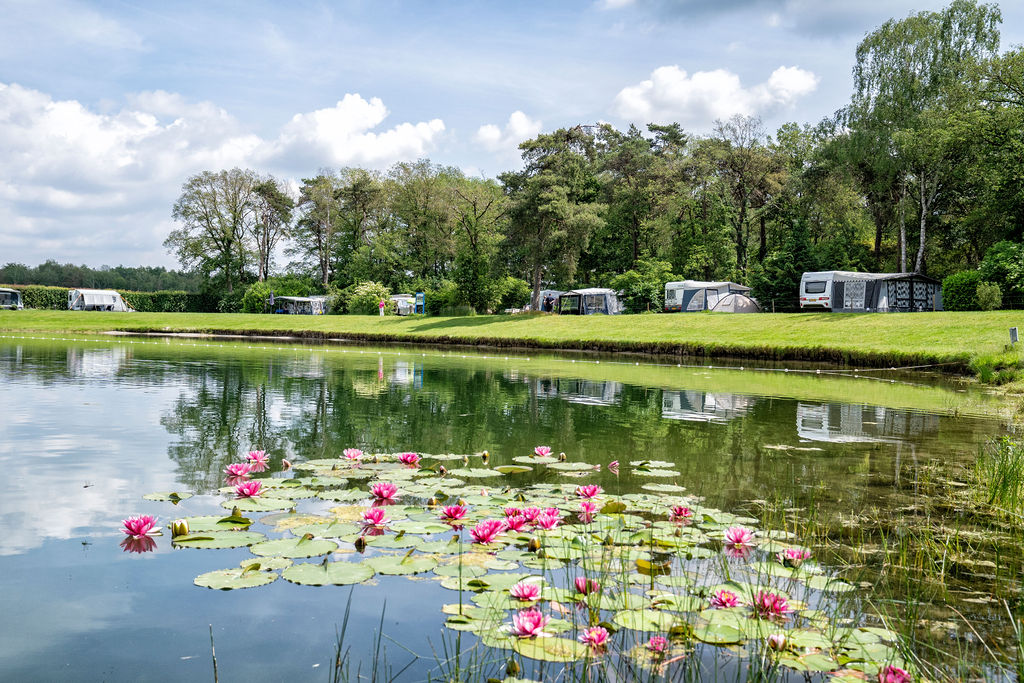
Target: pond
x=88 y=426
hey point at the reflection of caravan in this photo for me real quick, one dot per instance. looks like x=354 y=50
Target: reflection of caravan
x=695 y=295
x=700 y=406
x=851 y=423
x=836 y=290
x=96 y=300
x=582 y=391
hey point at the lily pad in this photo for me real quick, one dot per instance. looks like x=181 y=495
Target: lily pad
x=328 y=573
x=645 y=620
x=257 y=504
x=303 y=546
x=168 y=496
x=513 y=469
x=232 y=579
x=216 y=523
x=397 y=565
x=550 y=649
x=475 y=473
x=570 y=466
x=218 y=539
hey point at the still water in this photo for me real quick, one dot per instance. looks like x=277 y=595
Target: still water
x=88 y=427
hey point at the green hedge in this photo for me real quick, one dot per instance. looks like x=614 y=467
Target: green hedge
x=960 y=291
x=56 y=299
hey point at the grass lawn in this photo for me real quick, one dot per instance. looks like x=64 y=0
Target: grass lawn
x=958 y=339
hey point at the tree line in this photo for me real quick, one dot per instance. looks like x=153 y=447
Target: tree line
x=134 y=278
x=920 y=171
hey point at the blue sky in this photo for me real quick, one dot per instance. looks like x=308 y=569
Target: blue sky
x=107 y=107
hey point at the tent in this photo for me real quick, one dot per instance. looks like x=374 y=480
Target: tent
x=300 y=305
x=96 y=300
x=736 y=303
x=845 y=291
x=405 y=304
x=697 y=295
x=589 y=301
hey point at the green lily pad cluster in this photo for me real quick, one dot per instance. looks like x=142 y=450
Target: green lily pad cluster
x=657 y=572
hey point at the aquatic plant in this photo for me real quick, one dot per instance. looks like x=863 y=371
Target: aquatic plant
x=375 y=517
x=768 y=605
x=530 y=623
x=238 y=469
x=589 y=491
x=681 y=513
x=487 y=530
x=352 y=453
x=542 y=451
x=596 y=637
x=585 y=586
x=411 y=459
x=657 y=645
x=724 y=599
x=140 y=526
x=894 y=674
x=737 y=536
x=793 y=557
x=258 y=457
x=384 y=490
x=526 y=591
x=248 y=489
x=453 y=512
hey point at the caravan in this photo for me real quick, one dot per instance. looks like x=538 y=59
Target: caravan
x=849 y=292
x=11 y=299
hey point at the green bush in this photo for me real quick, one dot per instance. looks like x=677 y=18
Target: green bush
x=990 y=296
x=1004 y=265
x=960 y=291
x=643 y=288
x=168 y=301
x=365 y=298
x=515 y=293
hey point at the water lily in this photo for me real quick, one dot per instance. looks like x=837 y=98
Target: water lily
x=613 y=467
x=179 y=527
x=138 y=544
x=529 y=623
x=542 y=451
x=248 y=489
x=596 y=637
x=739 y=552
x=259 y=457
x=777 y=641
x=769 y=605
x=738 y=536
x=140 y=526
x=517 y=523
x=525 y=591
x=409 y=459
x=453 y=512
x=657 y=645
x=375 y=517
x=238 y=469
x=724 y=599
x=512 y=512
x=531 y=513
x=352 y=453
x=547 y=521
x=893 y=674
x=286 y=464
x=589 y=491
x=681 y=513
x=585 y=586
x=793 y=557
x=487 y=530
x=384 y=490
x=587 y=511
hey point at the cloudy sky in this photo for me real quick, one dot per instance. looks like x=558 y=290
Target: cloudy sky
x=107 y=107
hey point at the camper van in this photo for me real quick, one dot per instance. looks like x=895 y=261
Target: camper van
x=848 y=292
x=10 y=299
x=96 y=300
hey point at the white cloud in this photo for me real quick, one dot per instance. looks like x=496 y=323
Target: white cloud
x=671 y=94
x=80 y=185
x=504 y=143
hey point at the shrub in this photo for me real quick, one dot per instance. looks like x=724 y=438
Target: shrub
x=990 y=296
x=643 y=288
x=1004 y=265
x=960 y=291
x=365 y=298
x=167 y=301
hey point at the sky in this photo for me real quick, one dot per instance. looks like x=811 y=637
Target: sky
x=106 y=108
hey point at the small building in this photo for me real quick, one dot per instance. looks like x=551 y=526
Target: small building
x=300 y=305
x=10 y=299
x=405 y=304
x=97 y=300
x=589 y=301
x=697 y=295
x=850 y=292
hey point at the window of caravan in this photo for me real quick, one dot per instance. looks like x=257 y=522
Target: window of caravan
x=595 y=303
x=569 y=304
x=670 y=295
x=8 y=299
x=697 y=302
x=815 y=287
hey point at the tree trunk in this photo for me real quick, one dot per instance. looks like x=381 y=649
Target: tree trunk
x=925 y=202
x=901 y=214
x=535 y=299
x=762 y=250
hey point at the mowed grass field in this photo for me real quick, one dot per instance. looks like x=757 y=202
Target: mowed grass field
x=880 y=340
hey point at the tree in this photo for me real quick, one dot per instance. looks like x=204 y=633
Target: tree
x=478 y=209
x=216 y=214
x=316 y=230
x=273 y=210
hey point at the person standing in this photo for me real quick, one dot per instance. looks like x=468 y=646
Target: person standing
x=380 y=307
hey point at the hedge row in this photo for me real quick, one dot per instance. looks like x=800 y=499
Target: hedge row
x=56 y=298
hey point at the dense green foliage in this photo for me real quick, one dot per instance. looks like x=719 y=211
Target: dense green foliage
x=960 y=291
x=141 y=279
x=56 y=299
x=990 y=296
x=366 y=297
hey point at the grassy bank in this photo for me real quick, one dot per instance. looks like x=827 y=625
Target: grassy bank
x=958 y=341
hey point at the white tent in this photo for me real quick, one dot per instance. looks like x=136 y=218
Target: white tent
x=589 y=301
x=96 y=300
x=698 y=295
x=736 y=303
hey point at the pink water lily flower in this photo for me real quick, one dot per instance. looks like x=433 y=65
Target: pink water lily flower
x=893 y=674
x=589 y=491
x=140 y=526
x=376 y=517
x=770 y=606
x=238 y=469
x=453 y=512
x=138 y=544
x=531 y=513
x=384 y=490
x=259 y=457
x=613 y=467
x=793 y=557
x=525 y=591
x=512 y=512
x=517 y=523
x=409 y=459
x=585 y=586
x=248 y=489
x=542 y=451
x=777 y=641
x=738 y=536
x=587 y=510
x=724 y=599
x=596 y=637
x=352 y=453
x=739 y=552
x=529 y=623
x=657 y=645
x=487 y=530
x=547 y=521
x=681 y=513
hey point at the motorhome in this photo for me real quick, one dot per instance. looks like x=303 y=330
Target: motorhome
x=849 y=292
x=10 y=299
